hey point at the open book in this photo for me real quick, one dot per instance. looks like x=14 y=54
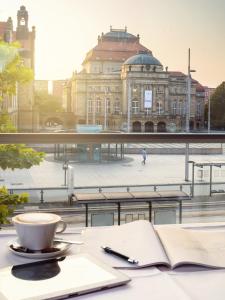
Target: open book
x=168 y=245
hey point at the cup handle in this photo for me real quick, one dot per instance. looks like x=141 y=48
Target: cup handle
x=63 y=226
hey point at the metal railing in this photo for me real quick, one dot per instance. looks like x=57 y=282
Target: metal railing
x=104 y=138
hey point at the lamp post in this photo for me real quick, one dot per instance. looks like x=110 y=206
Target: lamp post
x=209 y=112
x=94 y=108
x=106 y=107
x=188 y=105
x=65 y=168
x=128 y=106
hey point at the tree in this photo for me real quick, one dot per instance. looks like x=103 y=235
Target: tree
x=12 y=156
x=47 y=103
x=13 y=70
x=8 y=203
x=6 y=123
x=218 y=107
x=18 y=156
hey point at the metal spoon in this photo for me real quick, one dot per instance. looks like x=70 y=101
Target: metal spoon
x=68 y=241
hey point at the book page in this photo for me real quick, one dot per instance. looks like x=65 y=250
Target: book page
x=185 y=246
x=137 y=240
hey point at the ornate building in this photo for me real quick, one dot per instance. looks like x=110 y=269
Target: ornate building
x=122 y=86
x=20 y=106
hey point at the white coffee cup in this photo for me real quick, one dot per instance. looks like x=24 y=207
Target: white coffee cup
x=36 y=231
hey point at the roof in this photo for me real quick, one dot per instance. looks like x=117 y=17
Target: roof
x=143 y=58
x=200 y=88
x=176 y=73
x=114 y=50
x=119 y=34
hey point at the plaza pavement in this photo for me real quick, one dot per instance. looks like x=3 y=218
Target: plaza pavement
x=159 y=169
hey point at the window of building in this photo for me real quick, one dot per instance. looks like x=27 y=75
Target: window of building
x=180 y=108
x=90 y=106
x=198 y=109
x=184 y=108
x=147 y=111
x=159 y=108
x=174 y=107
x=108 y=105
x=135 y=106
x=98 y=105
x=117 y=106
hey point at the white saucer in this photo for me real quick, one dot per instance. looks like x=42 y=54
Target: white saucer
x=57 y=249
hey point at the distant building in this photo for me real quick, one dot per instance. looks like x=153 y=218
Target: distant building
x=41 y=86
x=57 y=88
x=20 y=106
x=208 y=93
x=122 y=83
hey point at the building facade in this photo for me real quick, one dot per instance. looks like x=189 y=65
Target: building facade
x=122 y=86
x=20 y=106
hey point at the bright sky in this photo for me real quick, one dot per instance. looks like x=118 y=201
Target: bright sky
x=68 y=29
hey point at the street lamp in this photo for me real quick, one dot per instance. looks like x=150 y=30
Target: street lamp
x=188 y=105
x=128 y=107
x=65 y=168
x=130 y=90
x=94 y=108
x=106 y=107
x=209 y=112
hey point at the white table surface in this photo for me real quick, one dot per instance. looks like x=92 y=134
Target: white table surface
x=149 y=283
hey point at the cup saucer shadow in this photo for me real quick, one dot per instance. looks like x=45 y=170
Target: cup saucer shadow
x=56 y=247
x=40 y=270
x=22 y=249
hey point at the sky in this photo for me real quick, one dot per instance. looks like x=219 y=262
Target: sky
x=67 y=29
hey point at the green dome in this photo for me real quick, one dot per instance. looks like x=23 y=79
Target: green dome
x=143 y=59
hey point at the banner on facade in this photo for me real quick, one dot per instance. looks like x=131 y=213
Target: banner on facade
x=148 y=99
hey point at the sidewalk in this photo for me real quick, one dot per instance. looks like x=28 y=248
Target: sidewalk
x=159 y=169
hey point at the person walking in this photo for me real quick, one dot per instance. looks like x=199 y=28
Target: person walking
x=144 y=156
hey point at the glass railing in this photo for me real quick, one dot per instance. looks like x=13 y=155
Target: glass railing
x=108 y=164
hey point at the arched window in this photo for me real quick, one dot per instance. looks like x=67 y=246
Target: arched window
x=161 y=127
x=136 y=126
x=149 y=127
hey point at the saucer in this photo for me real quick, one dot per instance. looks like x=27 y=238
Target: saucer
x=57 y=249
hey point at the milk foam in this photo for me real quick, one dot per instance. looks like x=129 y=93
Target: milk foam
x=37 y=218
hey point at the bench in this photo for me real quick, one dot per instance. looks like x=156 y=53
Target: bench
x=129 y=197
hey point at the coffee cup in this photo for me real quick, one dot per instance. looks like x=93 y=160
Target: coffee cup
x=36 y=231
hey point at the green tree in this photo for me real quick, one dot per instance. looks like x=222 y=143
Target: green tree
x=8 y=203
x=218 y=107
x=12 y=72
x=47 y=103
x=18 y=156
x=6 y=123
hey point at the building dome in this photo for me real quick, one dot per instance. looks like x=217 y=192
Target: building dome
x=143 y=58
